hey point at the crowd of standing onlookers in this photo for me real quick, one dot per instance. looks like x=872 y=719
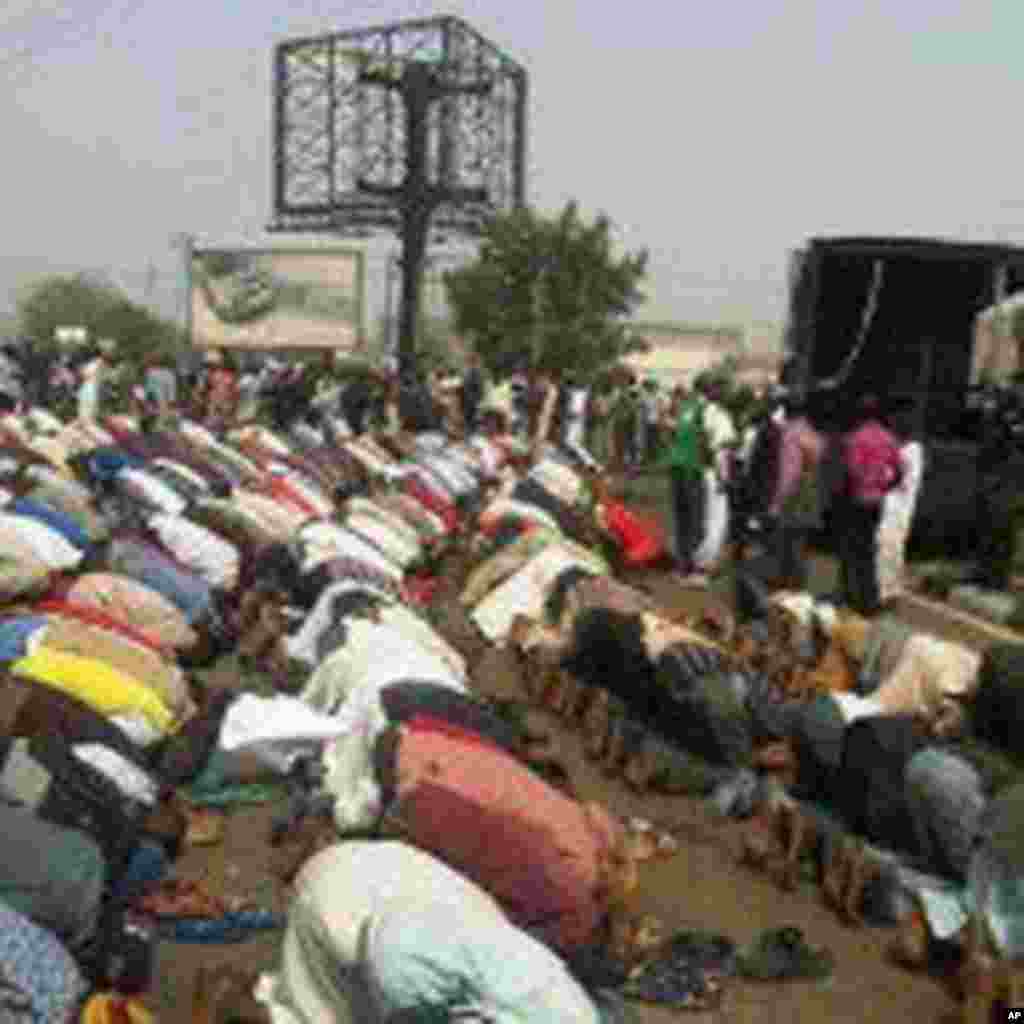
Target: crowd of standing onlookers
x=759 y=483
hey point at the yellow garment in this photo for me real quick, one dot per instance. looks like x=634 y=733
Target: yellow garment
x=145 y=666
x=852 y=632
x=101 y=1009
x=94 y=683
x=51 y=449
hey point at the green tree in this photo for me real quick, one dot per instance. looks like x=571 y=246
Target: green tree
x=83 y=300
x=548 y=292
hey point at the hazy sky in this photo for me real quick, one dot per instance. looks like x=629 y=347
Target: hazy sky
x=716 y=134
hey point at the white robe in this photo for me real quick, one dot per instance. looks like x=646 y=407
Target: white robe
x=897 y=521
x=380 y=929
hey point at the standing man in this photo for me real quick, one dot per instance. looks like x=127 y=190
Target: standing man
x=95 y=375
x=996 y=493
x=686 y=460
x=873 y=466
x=720 y=440
x=796 y=505
x=160 y=387
x=651 y=414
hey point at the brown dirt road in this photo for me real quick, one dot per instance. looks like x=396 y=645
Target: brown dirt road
x=702 y=886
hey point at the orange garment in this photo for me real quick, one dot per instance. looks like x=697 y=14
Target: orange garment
x=542 y=855
x=641 y=539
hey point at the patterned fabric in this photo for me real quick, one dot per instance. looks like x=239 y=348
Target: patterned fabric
x=507 y=508
x=433 y=500
x=498 y=568
x=946 y=802
x=39 y=981
x=427 y=524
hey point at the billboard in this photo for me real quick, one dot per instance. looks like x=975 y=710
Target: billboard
x=277 y=298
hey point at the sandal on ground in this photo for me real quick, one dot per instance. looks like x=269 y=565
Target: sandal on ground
x=678 y=988
x=781 y=954
x=649 y=843
x=835 y=879
x=179 y=898
x=205 y=827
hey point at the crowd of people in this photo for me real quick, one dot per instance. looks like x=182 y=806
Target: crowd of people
x=441 y=863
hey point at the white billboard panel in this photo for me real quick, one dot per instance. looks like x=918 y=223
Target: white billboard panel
x=277 y=298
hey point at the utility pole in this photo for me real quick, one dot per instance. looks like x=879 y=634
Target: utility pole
x=185 y=244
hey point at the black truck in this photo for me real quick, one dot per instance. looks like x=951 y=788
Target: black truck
x=895 y=317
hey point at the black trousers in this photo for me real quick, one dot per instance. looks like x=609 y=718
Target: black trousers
x=791 y=549
x=687 y=513
x=994 y=505
x=857 y=542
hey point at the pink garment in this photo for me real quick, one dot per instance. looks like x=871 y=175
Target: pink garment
x=540 y=854
x=800 y=448
x=873 y=463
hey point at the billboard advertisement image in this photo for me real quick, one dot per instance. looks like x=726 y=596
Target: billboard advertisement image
x=277 y=298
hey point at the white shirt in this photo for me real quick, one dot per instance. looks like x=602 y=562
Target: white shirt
x=48 y=545
x=212 y=557
x=378 y=928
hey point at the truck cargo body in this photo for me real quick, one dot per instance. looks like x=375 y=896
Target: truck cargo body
x=896 y=317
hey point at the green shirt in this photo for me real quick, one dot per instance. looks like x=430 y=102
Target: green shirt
x=689 y=445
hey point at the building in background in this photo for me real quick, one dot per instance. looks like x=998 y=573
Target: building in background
x=680 y=351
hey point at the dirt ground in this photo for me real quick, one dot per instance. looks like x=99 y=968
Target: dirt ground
x=703 y=886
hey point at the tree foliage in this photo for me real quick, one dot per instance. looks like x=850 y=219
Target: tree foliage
x=83 y=300
x=548 y=293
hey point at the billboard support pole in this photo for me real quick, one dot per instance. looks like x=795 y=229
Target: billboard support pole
x=417 y=198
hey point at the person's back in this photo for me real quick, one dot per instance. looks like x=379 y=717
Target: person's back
x=686 y=449
x=873 y=462
x=161 y=385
